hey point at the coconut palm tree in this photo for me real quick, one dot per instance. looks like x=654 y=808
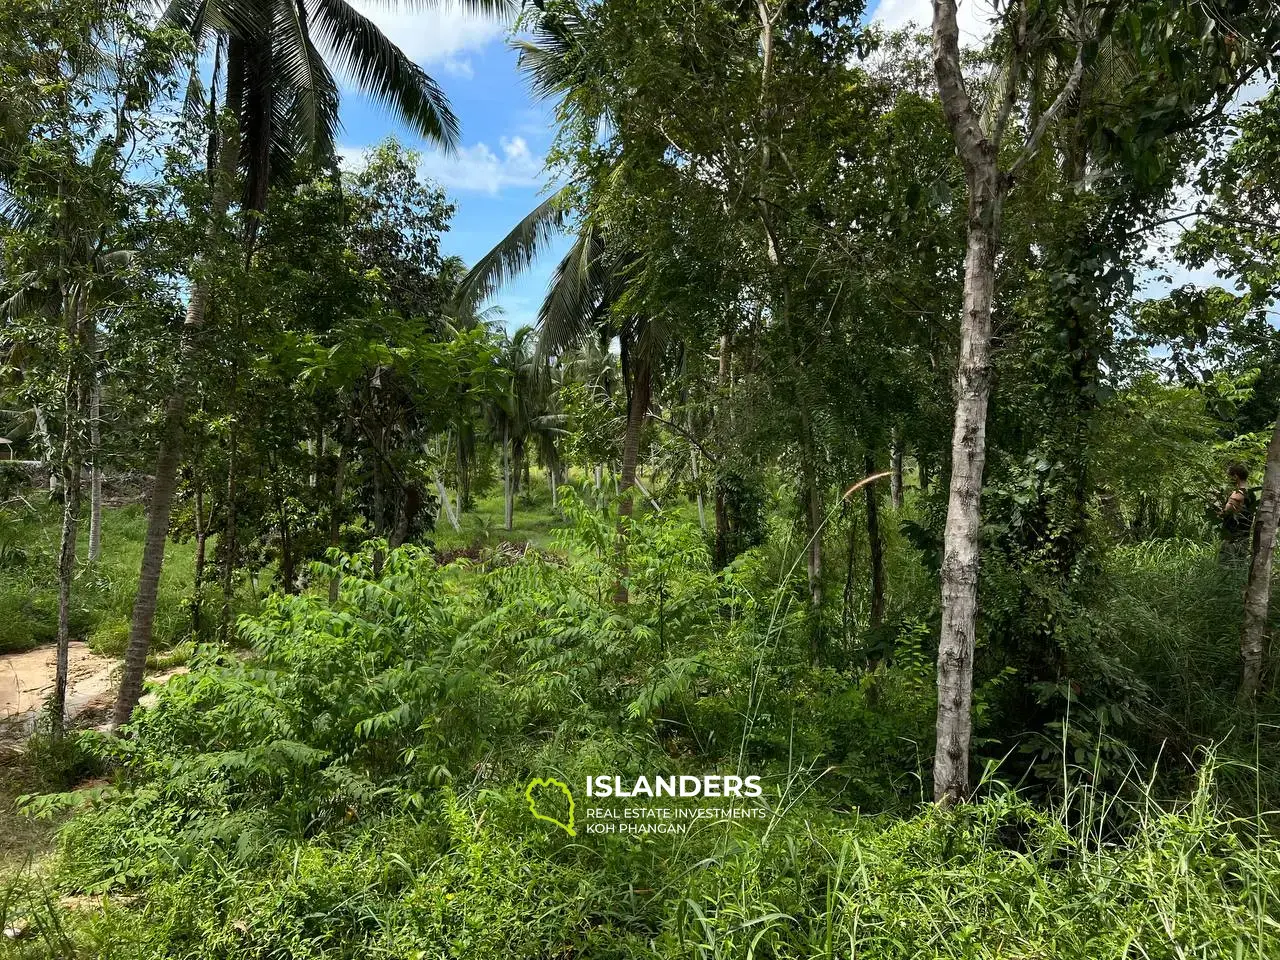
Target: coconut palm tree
x=282 y=103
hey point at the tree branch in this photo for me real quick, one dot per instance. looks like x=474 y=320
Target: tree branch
x=961 y=117
x=1013 y=75
x=687 y=435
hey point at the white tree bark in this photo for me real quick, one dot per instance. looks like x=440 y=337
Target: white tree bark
x=446 y=505
x=50 y=454
x=987 y=187
x=1257 y=592
x=962 y=536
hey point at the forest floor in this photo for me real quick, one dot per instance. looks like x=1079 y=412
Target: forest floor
x=26 y=680
x=27 y=672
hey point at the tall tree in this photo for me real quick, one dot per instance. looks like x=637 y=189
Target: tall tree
x=988 y=181
x=281 y=105
x=1239 y=231
x=1213 y=38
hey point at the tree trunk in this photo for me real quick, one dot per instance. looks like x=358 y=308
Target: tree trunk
x=962 y=537
x=1257 y=592
x=464 y=473
x=47 y=448
x=812 y=497
x=335 y=509
x=846 y=611
x=508 y=489
x=552 y=482
x=66 y=572
x=95 y=483
x=230 y=534
x=69 y=466
x=169 y=452
x=724 y=427
x=697 y=484
x=895 y=466
x=721 y=508
x=637 y=413
x=445 y=505
x=160 y=507
x=876 y=547
x=202 y=537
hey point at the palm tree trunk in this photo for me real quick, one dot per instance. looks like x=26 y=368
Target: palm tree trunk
x=1257 y=592
x=962 y=536
x=637 y=413
x=508 y=492
x=160 y=507
x=169 y=453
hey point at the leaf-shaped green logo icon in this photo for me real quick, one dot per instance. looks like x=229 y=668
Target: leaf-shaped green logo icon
x=533 y=802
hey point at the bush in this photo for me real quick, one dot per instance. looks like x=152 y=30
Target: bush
x=110 y=639
x=356 y=788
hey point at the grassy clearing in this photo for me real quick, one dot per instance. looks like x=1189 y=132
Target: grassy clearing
x=103 y=595
x=533 y=520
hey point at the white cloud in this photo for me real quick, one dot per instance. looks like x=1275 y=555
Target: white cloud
x=477 y=168
x=440 y=35
x=973 y=17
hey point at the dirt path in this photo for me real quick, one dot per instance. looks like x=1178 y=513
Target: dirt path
x=26 y=680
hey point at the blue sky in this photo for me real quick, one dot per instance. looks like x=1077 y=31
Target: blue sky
x=496 y=176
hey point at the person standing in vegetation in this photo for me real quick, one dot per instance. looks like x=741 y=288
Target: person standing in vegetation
x=1237 y=516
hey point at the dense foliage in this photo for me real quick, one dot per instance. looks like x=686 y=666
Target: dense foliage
x=862 y=444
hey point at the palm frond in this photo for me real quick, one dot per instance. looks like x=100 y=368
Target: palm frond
x=555 y=59
x=513 y=254
x=294 y=62
x=381 y=69
x=571 y=311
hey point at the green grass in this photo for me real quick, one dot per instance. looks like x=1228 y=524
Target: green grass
x=292 y=807
x=533 y=521
x=103 y=595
